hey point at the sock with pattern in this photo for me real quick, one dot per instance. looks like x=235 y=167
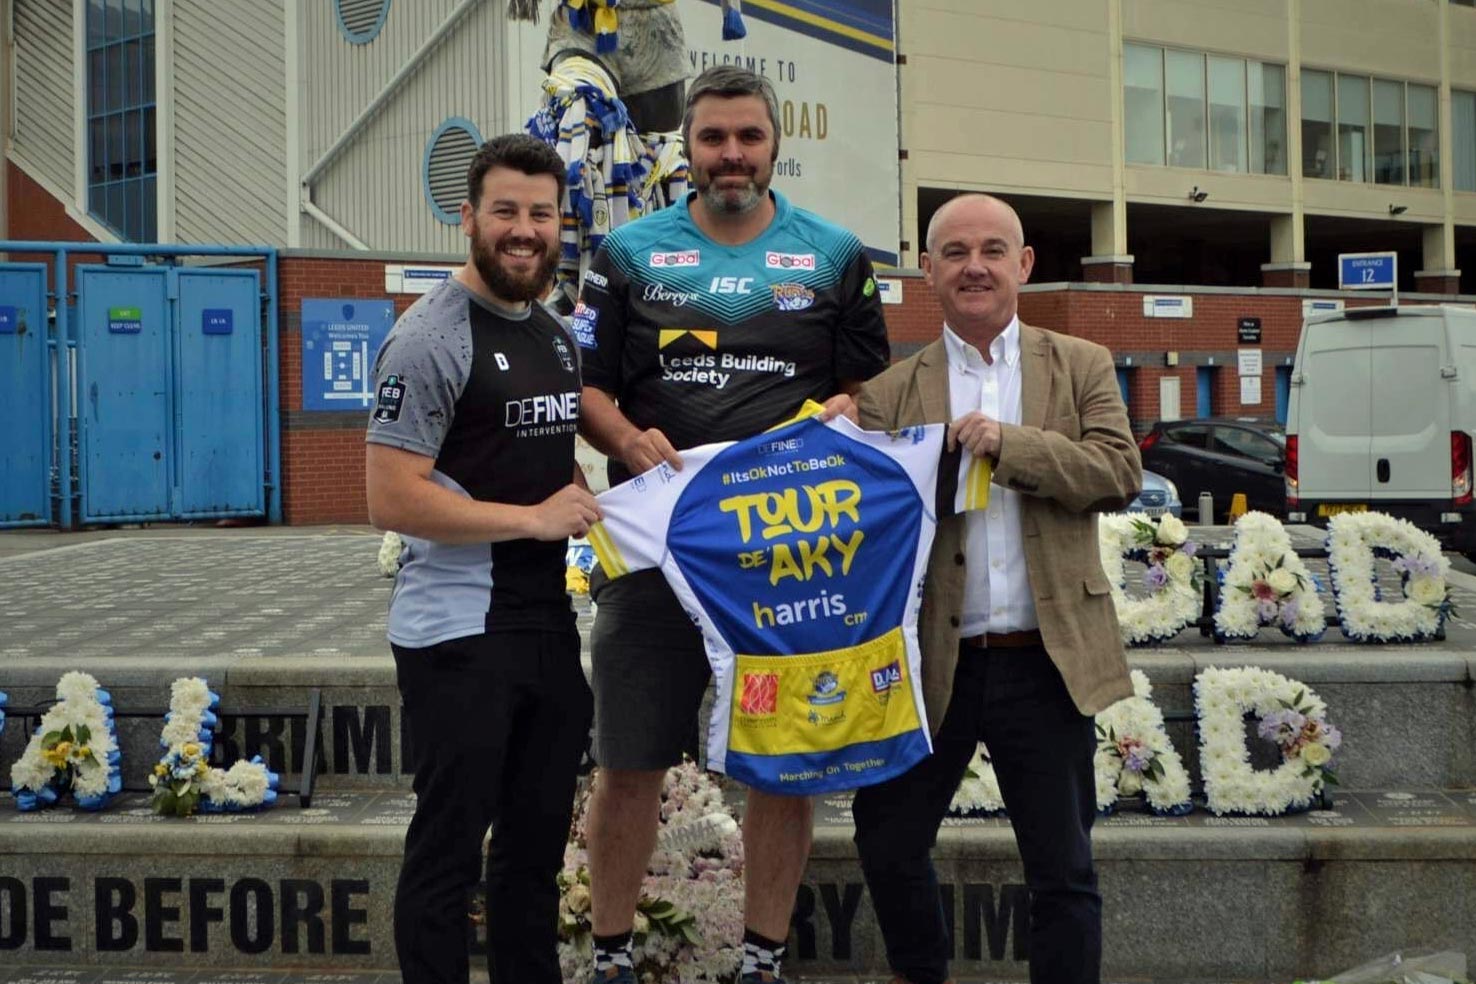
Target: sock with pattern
x=761 y=955
x=613 y=951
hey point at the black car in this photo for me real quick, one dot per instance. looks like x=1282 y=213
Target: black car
x=1221 y=456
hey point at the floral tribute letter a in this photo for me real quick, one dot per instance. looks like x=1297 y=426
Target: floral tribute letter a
x=1267 y=584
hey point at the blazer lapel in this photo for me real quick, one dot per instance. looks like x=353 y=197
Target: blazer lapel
x=1035 y=375
x=932 y=383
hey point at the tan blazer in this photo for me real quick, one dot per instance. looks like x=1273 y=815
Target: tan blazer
x=1071 y=456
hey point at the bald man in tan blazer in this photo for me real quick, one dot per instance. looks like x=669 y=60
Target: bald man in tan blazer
x=1020 y=641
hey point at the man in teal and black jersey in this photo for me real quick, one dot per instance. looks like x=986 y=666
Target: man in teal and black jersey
x=707 y=321
x=471 y=457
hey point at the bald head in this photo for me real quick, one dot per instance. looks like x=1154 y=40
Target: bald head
x=976 y=203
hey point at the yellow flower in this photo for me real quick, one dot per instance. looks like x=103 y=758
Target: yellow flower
x=81 y=752
x=159 y=770
x=201 y=768
x=1314 y=754
x=62 y=749
x=190 y=749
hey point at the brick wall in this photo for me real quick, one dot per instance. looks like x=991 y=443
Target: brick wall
x=322 y=452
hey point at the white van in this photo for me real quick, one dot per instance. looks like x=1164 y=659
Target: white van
x=1382 y=412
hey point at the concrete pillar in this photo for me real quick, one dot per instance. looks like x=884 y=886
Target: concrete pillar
x=1110 y=262
x=1287 y=267
x=1439 y=275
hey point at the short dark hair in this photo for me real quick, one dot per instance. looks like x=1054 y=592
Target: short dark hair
x=729 y=82
x=518 y=152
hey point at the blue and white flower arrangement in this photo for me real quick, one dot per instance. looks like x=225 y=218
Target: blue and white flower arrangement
x=1289 y=714
x=183 y=780
x=1355 y=541
x=1266 y=584
x=1171 y=579
x=74 y=749
x=1135 y=756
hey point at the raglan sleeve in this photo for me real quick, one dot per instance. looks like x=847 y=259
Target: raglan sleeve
x=631 y=536
x=599 y=319
x=418 y=376
x=861 y=348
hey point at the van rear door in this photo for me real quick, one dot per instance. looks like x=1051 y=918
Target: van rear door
x=1332 y=410
x=1409 y=451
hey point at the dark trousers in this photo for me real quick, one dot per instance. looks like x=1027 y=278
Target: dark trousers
x=498 y=724
x=1016 y=703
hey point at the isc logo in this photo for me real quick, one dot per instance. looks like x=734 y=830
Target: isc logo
x=730 y=285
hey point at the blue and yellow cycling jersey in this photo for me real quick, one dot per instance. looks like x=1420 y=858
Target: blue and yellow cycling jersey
x=801 y=553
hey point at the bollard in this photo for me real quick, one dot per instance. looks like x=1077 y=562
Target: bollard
x=1238 y=506
x=1206 y=509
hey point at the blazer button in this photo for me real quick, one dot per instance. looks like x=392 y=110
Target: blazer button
x=958 y=559
x=953 y=621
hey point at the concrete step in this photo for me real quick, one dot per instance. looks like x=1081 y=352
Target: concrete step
x=267 y=615
x=1408 y=713
x=288 y=889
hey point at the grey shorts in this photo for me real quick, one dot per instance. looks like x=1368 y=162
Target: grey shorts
x=650 y=673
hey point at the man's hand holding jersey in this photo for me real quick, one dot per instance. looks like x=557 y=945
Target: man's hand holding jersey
x=403 y=497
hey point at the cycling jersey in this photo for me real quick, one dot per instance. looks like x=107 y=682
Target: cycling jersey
x=800 y=553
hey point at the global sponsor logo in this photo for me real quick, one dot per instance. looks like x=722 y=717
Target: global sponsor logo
x=760 y=694
x=681 y=258
x=792 y=297
x=582 y=324
x=597 y=280
x=659 y=293
x=789 y=261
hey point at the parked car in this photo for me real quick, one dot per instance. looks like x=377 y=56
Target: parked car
x=1382 y=413
x=1221 y=456
x=1159 y=497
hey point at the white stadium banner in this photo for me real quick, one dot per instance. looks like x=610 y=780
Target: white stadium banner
x=833 y=65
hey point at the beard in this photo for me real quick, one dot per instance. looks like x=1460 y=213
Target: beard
x=513 y=287
x=731 y=200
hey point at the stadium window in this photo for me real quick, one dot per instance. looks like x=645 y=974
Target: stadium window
x=1463 y=138
x=1189 y=109
x=1142 y=78
x=1352 y=115
x=1424 y=136
x=122 y=158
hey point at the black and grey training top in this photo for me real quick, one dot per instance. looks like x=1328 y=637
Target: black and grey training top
x=493 y=396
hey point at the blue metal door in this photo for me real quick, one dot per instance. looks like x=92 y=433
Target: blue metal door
x=220 y=402
x=1204 y=378
x=124 y=399
x=25 y=380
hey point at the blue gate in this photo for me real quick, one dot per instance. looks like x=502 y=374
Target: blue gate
x=25 y=380
x=219 y=380
x=169 y=393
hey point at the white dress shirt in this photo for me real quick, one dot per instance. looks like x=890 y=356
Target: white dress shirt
x=996 y=586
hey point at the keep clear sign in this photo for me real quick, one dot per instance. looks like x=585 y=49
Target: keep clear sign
x=340 y=338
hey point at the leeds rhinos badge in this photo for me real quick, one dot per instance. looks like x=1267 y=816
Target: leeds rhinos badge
x=391 y=398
